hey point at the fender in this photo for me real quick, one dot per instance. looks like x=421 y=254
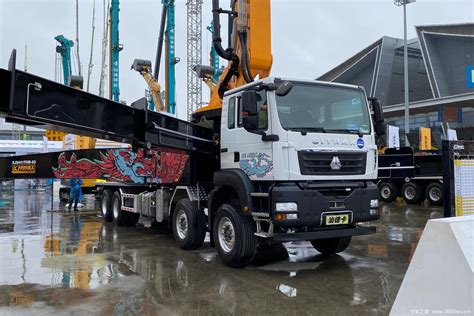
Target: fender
x=237 y=180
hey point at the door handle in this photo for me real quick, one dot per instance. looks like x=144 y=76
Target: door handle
x=224 y=150
x=236 y=156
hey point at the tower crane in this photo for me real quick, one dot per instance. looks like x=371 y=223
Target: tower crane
x=144 y=66
x=64 y=49
x=115 y=49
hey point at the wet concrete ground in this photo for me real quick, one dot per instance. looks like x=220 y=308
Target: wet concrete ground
x=53 y=261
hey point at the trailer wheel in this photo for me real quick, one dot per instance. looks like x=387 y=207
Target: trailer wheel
x=106 y=205
x=189 y=225
x=120 y=217
x=388 y=191
x=434 y=193
x=234 y=236
x=412 y=193
x=331 y=246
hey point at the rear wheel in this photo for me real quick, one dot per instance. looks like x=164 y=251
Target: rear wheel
x=412 y=193
x=434 y=193
x=120 y=217
x=234 y=236
x=106 y=205
x=189 y=225
x=388 y=191
x=331 y=246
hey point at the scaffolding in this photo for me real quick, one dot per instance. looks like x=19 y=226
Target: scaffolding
x=194 y=55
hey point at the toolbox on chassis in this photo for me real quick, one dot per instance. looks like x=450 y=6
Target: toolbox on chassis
x=285 y=160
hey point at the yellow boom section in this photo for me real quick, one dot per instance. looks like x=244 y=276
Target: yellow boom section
x=258 y=27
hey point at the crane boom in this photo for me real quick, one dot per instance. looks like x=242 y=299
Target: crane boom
x=249 y=45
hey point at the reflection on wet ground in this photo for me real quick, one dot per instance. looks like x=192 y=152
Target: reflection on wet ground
x=60 y=262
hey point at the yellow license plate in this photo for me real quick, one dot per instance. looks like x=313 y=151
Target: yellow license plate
x=338 y=219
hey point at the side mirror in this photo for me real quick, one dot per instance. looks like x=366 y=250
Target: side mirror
x=249 y=103
x=378 y=118
x=250 y=123
x=284 y=89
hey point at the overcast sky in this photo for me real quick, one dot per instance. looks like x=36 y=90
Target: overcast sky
x=308 y=37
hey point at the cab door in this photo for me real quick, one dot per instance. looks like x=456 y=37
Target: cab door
x=251 y=154
x=228 y=124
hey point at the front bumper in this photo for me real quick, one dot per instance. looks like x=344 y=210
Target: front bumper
x=315 y=200
x=324 y=233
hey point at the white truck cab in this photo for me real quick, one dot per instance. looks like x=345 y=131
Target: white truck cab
x=300 y=159
x=318 y=131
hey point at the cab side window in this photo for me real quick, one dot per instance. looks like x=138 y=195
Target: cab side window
x=231 y=114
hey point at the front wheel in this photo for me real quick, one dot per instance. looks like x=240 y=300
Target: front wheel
x=331 y=246
x=189 y=225
x=234 y=236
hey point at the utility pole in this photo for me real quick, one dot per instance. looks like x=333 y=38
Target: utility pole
x=405 y=72
x=26 y=58
x=77 y=39
x=89 y=71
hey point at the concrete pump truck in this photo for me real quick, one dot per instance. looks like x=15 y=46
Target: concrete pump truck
x=269 y=160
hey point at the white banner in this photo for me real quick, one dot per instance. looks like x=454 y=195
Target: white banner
x=452 y=134
x=393 y=137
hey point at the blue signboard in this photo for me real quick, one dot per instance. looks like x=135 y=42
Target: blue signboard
x=470 y=77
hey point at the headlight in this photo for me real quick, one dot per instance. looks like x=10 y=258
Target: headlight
x=286 y=207
x=374 y=203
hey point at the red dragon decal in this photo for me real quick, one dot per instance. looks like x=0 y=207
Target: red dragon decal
x=124 y=165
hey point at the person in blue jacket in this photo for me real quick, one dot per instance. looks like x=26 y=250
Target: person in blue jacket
x=76 y=192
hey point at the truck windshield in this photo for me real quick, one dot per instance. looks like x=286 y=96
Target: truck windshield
x=321 y=108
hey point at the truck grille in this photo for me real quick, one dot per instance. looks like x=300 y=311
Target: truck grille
x=319 y=163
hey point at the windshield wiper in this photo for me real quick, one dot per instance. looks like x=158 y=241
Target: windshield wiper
x=304 y=130
x=347 y=130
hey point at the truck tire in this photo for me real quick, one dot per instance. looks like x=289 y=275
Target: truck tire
x=331 y=246
x=106 y=205
x=412 y=193
x=189 y=225
x=234 y=236
x=120 y=217
x=388 y=191
x=434 y=193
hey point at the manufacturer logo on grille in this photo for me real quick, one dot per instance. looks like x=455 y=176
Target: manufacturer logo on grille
x=336 y=163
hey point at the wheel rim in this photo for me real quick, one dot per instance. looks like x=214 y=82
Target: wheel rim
x=385 y=192
x=182 y=224
x=435 y=194
x=116 y=208
x=104 y=206
x=410 y=193
x=226 y=234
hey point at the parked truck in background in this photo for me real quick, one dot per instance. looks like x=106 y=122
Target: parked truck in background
x=412 y=176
